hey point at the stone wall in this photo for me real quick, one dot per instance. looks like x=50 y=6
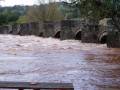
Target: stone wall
x=66 y=29
x=113 y=40
x=35 y=28
x=89 y=34
x=71 y=29
x=109 y=31
x=4 y=29
x=86 y=31
x=24 y=29
x=15 y=29
x=51 y=28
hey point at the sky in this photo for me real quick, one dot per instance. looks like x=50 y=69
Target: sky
x=17 y=2
x=20 y=2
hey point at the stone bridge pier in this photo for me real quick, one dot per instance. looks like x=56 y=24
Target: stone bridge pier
x=89 y=34
x=4 y=29
x=113 y=38
x=36 y=28
x=15 y=29
x=71 y=29
x=24 y=29
x=52 y=29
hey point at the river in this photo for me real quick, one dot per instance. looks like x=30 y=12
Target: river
x=35 y=59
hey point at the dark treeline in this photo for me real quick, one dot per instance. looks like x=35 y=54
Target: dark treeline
x=42 y=12
x=52 y=11
x=9 y=15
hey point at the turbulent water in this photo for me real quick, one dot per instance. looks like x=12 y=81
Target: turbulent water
x=36 y=59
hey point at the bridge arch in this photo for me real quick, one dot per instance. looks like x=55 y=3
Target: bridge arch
x=11 y=32
x=41 y=34
x=57 y=34
x=103 y=38
x=78 y=35
x=19 y=33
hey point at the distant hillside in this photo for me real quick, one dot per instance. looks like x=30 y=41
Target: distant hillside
x=11 y=14
x=17 y=14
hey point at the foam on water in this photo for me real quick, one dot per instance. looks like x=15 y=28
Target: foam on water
x=88 y=66
x=13 y=44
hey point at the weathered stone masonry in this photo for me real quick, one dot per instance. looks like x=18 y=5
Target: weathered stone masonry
x=52 y=29
x=71 y=29
x=113 y=39
x=87 y=32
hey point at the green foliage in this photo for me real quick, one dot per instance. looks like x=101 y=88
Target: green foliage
x=44 y=12
x=98 y=9
x=9 y=15
x=54 y=11
x=22 y=19
x=69 y=11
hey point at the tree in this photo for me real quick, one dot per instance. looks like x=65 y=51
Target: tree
x=44 y=12
x=100 y=9
x=9 y=15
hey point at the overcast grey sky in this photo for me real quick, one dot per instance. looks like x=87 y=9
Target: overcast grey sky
x=19 y=2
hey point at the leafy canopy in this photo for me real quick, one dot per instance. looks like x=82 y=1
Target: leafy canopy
x=98 y=9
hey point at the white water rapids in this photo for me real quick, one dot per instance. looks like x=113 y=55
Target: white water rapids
x=35 y=59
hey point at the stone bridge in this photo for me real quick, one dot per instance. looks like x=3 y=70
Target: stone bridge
x=102 y=35
x=87 y=32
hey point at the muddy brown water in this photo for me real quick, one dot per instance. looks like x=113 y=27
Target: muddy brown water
x=35 y=59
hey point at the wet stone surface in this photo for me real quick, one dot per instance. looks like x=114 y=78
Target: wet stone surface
x=36 y=59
